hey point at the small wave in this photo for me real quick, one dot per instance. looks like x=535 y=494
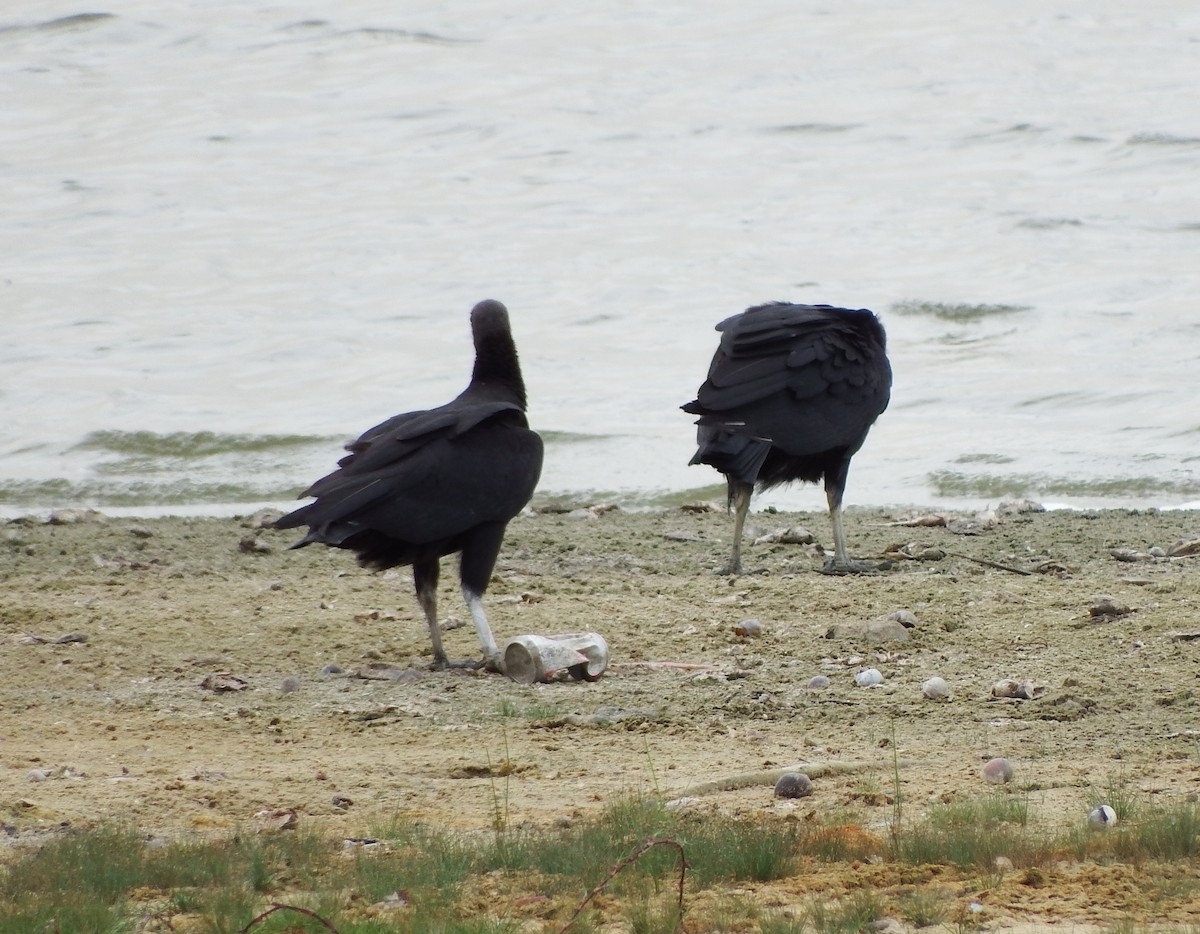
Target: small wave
x=1015 y=131
x=319 y=30
x=62 y=23
x=307 y=24
x=813 y=128
x=1059 y=400
x=983 y=459
x=972 y=339
x=570 y=437
x=1162 y=139
x=627 y=500
x=58 y=493
x=950 y=483
x=385 y=34
x=145 y=468
x=959 y=312
x=1049 y=223
x=197 y=444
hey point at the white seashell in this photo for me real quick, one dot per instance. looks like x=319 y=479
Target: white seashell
x=998 y=771
x=868 y=677
x=936 y=689
x=795 y=535
x=1024 y=690
x=1102 y=817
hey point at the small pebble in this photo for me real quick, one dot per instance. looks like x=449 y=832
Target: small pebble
x=868 y=677
x=749 y=628
x=998 y=771
x=1105 y=606
x=1102 y=817
x=252 y=544
x=290 y=685
x=936 y=689
x=793 y=785
x=818 y=681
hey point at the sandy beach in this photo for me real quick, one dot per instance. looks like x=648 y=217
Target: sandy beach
x=176 y=673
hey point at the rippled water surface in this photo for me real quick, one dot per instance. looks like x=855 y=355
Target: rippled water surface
x=235 y=235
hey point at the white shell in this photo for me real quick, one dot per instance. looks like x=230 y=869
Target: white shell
x=1024 y=690
x=998 y=771
x=868 y=677
x=936 y=688
x=1102 y=817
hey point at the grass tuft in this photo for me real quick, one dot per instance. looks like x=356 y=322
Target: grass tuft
x=858 y=912
x=974 y=834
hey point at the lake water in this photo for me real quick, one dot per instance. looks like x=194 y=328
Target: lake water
x=236 y=234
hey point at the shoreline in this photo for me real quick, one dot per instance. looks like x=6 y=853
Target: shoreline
x=628 y=501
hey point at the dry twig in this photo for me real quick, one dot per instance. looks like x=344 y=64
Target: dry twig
x=629 y=861
x=277 y=907
x=992 y=564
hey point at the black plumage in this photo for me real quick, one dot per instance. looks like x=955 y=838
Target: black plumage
x=791 y=393
x=427 y=484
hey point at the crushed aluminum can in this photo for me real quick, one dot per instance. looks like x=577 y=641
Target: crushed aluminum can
x=580 y=655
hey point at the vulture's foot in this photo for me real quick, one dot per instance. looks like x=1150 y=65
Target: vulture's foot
x=490 y=663
x=442 y=664
x=855 y=566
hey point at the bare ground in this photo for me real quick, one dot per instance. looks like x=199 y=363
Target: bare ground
x=167 y=704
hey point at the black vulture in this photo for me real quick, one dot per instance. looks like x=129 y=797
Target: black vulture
x=427 y=484
x=790 y=395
